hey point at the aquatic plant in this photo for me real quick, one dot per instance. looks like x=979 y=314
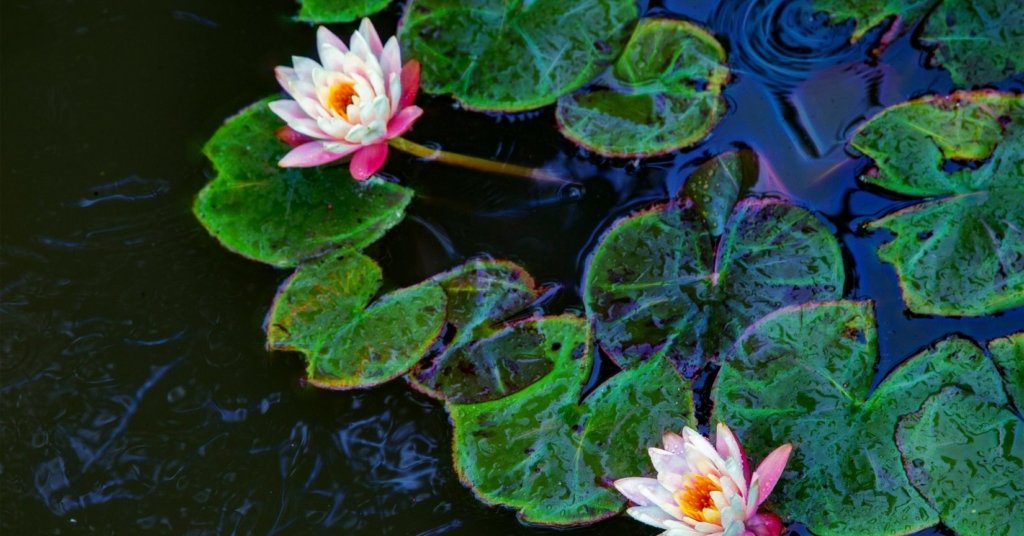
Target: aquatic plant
x=706 y=490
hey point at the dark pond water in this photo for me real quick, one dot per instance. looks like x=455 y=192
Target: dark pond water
x=136 y=393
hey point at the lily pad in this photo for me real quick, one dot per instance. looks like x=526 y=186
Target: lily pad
x=285 y=216
x=803 y=375
x=509 y=55
x=323 y=310
x=867 y=14
x=329 y=11
x=961 y=251
x=674 y=280
x=552 y=457
x=979 y=41
x=1008 y=353
x=664 y=93
x=966 y=455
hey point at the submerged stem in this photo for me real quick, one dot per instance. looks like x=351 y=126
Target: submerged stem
x=472 y=162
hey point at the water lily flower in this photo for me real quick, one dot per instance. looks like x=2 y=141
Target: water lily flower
x=352 y=102
x=705 y=490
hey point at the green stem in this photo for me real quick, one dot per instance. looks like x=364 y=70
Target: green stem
x=472 y=162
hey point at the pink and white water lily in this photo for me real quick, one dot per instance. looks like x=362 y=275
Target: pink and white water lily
x=705 y=490
x=350 y=103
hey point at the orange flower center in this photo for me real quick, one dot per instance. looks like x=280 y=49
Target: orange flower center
x=342 y=94
x=695 y=499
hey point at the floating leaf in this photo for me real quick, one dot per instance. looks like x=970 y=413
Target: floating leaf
x=867 y=14
x=663 y=282
x=961 y=252
x=504 y=55
x=966 y=455
x=285 y=216
x=323 y=310
x=553 y=458
x=979 y=41
x=664 y=94
x=802 y=375
x=328 y=11
x=484 y=359
x=1008 y=353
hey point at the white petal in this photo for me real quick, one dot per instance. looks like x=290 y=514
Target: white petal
x=674 y=443
x=325 y=38
x=391 y=58
x=357 y=134
x=651 y=515
x=630 y=487
x=334 y=127
x=304 y=66
x=665 y=461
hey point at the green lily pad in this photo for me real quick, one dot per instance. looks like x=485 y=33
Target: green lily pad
x=867 y=14
x=329 y=11
x=803 y=375
x=510 y=55
x=552 y=457
x=961 y=251
x=1008 y=353
x=664 y=94
x=676 y=280
x=285 y=216
x=323 y=310
x=979 y=41
x=966 y=455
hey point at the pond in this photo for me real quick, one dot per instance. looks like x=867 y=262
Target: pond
x=137 y=392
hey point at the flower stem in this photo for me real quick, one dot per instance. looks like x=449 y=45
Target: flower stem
x=472 y=162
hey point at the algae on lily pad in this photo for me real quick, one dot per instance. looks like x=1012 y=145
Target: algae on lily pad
x=681 y=280
x=663 y=94
x=324 y=310
x=966 y=454
x=285 y=216
x=1008 y=353
x=330 y=11
x=803 y=374
x=552 y=456
x=510 y=55
x=961 y=251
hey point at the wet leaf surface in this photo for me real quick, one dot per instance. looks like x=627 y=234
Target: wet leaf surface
x=509 y=55
x=961 y=251
x=803 y=375
x=1008 y=353
x=966 y=455
x=552 y=457
x=329 y=11
x=324 y=311
x=979 y=41
x=285 y=216
x=663 y=282
x=663 y=94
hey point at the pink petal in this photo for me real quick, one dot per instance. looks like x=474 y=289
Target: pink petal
x=370 y=34
x=292 y=137
x=310 y=154
x=325 y=37
x=402 y=122
x=368 y=161
x=770 y=470
x=764 y=524
x=729 y=446
x=630 y=487
x=391 y=58
x=674 y=443
x=410 y=83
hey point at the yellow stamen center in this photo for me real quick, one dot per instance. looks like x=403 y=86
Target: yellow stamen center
x=695 y=499
x=342 y=94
